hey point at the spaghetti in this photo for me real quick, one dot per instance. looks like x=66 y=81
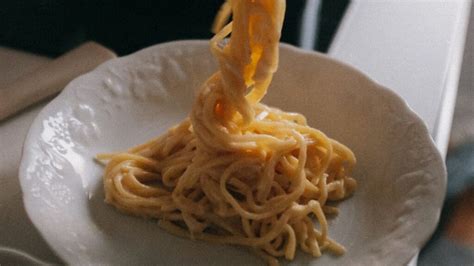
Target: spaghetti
x=238 y=171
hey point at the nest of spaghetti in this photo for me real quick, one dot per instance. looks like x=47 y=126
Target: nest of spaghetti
x=271 y=195
x=238 y=171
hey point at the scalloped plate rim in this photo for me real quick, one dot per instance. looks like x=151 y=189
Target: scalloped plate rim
x=381 y=90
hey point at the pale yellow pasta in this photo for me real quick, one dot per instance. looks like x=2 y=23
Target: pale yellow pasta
x=238 y=171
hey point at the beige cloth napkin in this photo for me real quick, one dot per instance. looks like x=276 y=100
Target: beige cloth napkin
x=49 y=79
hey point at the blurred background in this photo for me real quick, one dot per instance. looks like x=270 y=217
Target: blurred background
x=50 y=28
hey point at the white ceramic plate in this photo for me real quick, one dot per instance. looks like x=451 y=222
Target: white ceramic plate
x=128 y=100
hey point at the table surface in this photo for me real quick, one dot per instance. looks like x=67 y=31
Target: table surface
x=412 y=47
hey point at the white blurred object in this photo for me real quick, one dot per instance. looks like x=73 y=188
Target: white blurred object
x=310 y=24
x=414 y=47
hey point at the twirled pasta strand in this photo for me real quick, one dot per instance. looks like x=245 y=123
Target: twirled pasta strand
x=237 y=171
